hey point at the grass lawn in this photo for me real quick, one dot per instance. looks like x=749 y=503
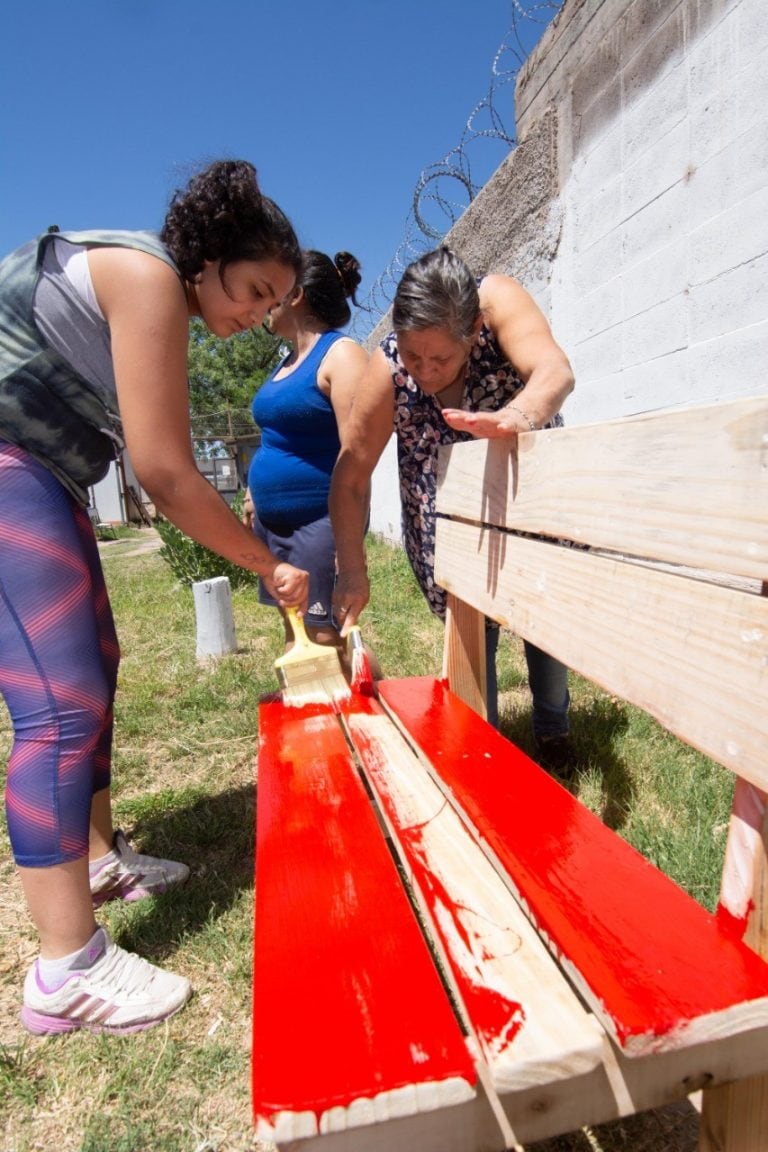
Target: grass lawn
x=184 y=787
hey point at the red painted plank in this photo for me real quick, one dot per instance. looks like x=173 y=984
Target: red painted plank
x=652 y=958
x=347 y=1001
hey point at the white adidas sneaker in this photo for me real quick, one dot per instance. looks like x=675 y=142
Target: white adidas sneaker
x=119 y=992
x=125 y=875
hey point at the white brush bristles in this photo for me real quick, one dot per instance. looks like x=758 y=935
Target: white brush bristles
x=362 y=677
x=313 y=681
x=310 y=673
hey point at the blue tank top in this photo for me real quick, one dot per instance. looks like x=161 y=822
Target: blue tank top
x=290 y=474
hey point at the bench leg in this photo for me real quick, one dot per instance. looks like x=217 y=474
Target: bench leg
x=734 y=1118
x=464 y=654
x=744 y=889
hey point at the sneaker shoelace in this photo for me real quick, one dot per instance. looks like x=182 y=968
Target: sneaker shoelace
x=122 y=973
x=136 y=863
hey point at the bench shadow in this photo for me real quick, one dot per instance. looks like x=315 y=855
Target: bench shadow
x=673 y=1128
x=214 y=836
x=594 y=729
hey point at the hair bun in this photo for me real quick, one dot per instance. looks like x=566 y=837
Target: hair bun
x=348 y=268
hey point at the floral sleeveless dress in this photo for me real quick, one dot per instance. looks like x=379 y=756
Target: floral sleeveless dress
x=490 y=384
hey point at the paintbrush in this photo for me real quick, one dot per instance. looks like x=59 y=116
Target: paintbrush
x=310 y=673
x=357 y=654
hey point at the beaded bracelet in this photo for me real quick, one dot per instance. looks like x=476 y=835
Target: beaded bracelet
x=524 y=415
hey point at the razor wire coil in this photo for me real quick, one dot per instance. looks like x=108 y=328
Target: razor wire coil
x=446 y=188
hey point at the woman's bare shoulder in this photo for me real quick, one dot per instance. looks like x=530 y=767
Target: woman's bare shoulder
x=124 y=277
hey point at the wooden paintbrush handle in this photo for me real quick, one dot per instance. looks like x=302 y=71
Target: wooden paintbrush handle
x=297 y=626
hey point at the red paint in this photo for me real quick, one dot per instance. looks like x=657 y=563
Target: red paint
x=653 y=958
x=734 y=925
x=361 y=680
x=496 y=1019
x=347 y=1002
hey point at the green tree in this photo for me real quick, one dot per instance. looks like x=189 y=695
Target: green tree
x=226 y=373
x=223 y=377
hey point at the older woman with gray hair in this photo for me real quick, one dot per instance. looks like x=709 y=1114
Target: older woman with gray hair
x=465 y=358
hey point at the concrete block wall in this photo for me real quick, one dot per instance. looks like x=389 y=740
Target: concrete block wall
x=659 y=289
x=635 y=207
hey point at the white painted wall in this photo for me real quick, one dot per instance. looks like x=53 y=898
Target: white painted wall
x=659 y=290
x=112 y=504
x=385 y=496
x=107 y=498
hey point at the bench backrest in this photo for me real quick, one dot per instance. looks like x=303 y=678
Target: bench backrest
x=636 y=552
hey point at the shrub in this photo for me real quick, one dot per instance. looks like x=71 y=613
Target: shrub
x=190 y=562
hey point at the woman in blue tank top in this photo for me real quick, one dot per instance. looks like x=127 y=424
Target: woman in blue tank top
x=301 y=410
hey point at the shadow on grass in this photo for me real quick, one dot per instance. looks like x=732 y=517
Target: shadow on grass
x=214 y=835
x=595 y=729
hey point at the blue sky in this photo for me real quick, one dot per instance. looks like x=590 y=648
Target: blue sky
x=109 y=105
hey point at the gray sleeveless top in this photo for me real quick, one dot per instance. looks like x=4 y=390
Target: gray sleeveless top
x=57 y=389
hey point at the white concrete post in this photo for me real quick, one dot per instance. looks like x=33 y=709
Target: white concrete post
x=215 y=622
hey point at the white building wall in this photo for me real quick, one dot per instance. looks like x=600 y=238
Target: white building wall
x=385 y=496
x=106 y=497
x=114 y=506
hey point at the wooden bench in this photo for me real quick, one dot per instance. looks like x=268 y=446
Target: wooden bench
x=451 y=951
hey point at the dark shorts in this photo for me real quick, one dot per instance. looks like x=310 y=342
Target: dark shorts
x=311 y=547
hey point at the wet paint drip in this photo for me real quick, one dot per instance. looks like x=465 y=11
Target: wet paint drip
x=744 y=853
x=735 y=926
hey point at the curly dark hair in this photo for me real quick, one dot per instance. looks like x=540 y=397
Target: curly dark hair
x=222 y=215
x=328 y=283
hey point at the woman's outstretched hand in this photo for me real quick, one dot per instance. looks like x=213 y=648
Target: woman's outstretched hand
x=486 y=425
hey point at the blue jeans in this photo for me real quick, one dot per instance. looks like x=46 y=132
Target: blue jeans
x=547 y=679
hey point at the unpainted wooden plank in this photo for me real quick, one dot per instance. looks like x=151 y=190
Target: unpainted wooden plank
x=351 y=1021
x=623 y=1087
x=464 y=654
x=688 y=487
x=734 y=1118
x=692 y=654
x=467 y=1127
x=658 y=970
x=499 y=966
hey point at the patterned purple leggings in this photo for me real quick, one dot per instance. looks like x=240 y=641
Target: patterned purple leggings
x=58 y=663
